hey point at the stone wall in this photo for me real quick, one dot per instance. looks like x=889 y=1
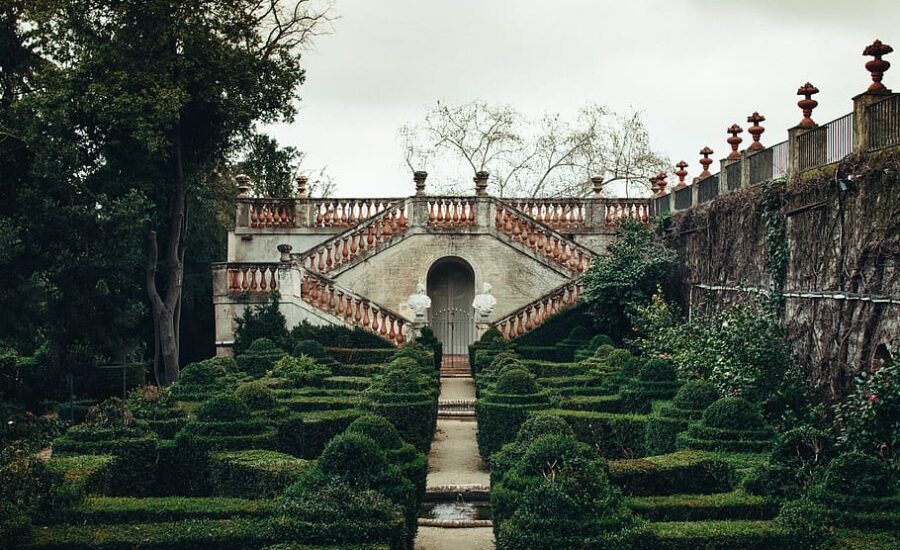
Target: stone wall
x=841 y=289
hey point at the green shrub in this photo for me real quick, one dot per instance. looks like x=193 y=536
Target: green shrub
x=604 y=350
x=858 y=474
x=540 y=425
x=260 y=321
x=515 y=382
x=355 y=458
x=198 y=381
x=662 y=433
x=734 y=505
x=260 y=357
x=290 y=435
x=223 y=408
x=611 y=435
x=377 y=428
x=300 y=371
x=502 y=411
x=256 y=395
x=716 y=535
x=557 y=327
x=689 y=472
x=84 y=474
x=361 y=356
x=869 y=417
x=113 y=510
x=732 y=413
x=772 y=480
x=805 y=451
x=254 y=473
x=339 y=336
x=310 y=348
x=319 y=427
x=695 y=395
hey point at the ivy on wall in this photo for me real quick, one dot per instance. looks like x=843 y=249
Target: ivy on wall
x=777 y=250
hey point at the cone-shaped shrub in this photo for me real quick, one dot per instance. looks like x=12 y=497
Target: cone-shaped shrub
x=201 y=380
x=502 y=409
x=300 y=372
x=256 y=395
x=729 y=424
x=408 y=399
x=688 y=405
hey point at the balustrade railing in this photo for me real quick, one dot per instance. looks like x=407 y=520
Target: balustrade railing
x=541 y=239
x=252 y=278
x=761 y=166
x=451 y=211
x=350 y=308
x=662 y=204
x=556 y=213
x=271 y=213
x=346 y=212
x=617 y=210
x=534 y=314
x=357 y=242
x=884 y=122
x=826 y=144
x=683 y=198
x=780 y=159
x=707 y=188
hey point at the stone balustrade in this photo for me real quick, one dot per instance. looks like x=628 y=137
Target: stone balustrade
x=345 y=212
x=270 y=213
x=560 y=214
x=615 y=210
x=357 y=242
x=252 y=278
x=352 y=309
x=278 y=213
x=535 y=313
x=541 y=239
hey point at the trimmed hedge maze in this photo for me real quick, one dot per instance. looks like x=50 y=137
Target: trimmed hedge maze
x=274 y=449
x=597 y=448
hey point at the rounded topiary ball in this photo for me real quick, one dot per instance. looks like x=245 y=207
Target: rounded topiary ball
x=604 y=350
x=515 y=381
x=858 y=474
x=696 y=395
x=617 y=358
x=504 y=359
x=657 y=370
x=542 y=424
x=732 y=413
x=355 y=458
x=579 y=334
x=377 y=428
x=551 y=453
x=223 y=408
x=600 y=340
x=256 y=395
x=398 y=381
x=311 y=348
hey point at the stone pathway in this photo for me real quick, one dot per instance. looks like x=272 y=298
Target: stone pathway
x=455 y=465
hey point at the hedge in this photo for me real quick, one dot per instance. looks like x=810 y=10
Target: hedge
x=595 y=403
x=734 y=505
x=214 y=534
x=133 y=472
x=556 y=353
x=84 y=474
x=361 y=356
x=159 y=509
x=716 y=535
x=662 y=434
x=320 y=403
x=688 y=472
x=558 y=326
x=319 y=427
x=253 y=473
x=414 y=415
x=346 y=383
x=612 y=435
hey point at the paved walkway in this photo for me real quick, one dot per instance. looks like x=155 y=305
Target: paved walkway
x=454 y=460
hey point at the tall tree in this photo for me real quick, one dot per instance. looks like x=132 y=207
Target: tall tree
x=158 y=94
x=548 y=156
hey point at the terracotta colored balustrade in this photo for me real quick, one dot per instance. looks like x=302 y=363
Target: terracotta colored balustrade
x=534 y=314
x=542 y=240
x=354 y=310
x=346 y=212
x=357 y=242
x=616 y=211
x=558 y=214
x=253 y=278
x=451 y=212
x=269 y=213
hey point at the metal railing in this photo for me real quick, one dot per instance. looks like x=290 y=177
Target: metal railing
x=733 y=173
x=761 y=166
x=662 y=204
x=826 y=144
x=683 y=198
x=884 y=123
x=780 y=159
x=708 y=189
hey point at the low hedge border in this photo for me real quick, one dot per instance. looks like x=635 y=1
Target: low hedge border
x=159 y=509
x=613 y=435
x=716 y=535
x=254 y=473
x=735 y=505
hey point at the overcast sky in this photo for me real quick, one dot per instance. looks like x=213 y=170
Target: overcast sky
x=692 y=66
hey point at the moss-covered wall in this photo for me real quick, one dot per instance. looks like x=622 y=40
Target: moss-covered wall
x=806 y=237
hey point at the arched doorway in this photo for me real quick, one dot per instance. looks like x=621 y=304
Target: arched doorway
x=451 y=286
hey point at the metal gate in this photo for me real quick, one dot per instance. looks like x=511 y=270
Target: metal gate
x=455 y=328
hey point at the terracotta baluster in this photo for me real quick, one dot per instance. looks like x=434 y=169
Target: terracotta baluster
x=393 y=334
x=358 y=316
x=370 y=237
x=323 y=296
x=384 y=326
x=520 y=325
x=877 y=66
x=402 y=220
x=807 y=104
x=395 y=222
x=348 y=312
x=503 y=329
x=263 y=279
x=508 y=225
x=320 y=221
x=314 y=292
x=375 y=313
x=400 y=337
x=353 y=216
x=273 y=282
x=756 y=131
x=580 y=261
x=330 y=298
x=498 y=219
x=365 y=318
x=528 y=318
x=339 y=307
x=471 y=213
x=734 y=141
x=329 y=260
x=344 y=216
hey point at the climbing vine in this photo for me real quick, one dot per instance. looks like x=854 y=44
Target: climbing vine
x=777 y=250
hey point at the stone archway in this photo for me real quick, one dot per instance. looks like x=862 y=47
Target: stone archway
x=451 y=287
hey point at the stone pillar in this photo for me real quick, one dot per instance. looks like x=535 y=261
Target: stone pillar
x=481 y=183
x=301 y=203
x=285 y=253
x=745 y=167
x=419 y=177
x=597 y=185
x=242 y=210
x=807 y=104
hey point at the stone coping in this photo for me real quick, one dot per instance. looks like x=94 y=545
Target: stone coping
x=454 y=523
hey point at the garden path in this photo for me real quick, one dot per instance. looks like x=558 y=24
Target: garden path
x=454 y=461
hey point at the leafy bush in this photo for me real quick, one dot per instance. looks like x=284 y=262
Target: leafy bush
x=516 y=382
x=657 y=370
x=661 y=434
x=729 y=424
x=256 y=395
x=868 y=419
x=732 y=413
x=260 y=357
x=300 y=371
x=377 y=428
x=503 y=409
x=223 y=408
x=557 y=327
x=805 y=451
x=311 y=348
x=339 y=336
x=735 y=505
x=611 y=435
x=540 y=425
x=682 y=472
x=155 y=406
x=199 y=380
x=625 y=278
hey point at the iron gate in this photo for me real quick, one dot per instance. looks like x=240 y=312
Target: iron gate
x=455 y=328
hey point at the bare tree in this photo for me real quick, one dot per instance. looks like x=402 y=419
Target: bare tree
x=549 y=156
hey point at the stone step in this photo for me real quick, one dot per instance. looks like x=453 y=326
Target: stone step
x=470 y=491
x=454 y=523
